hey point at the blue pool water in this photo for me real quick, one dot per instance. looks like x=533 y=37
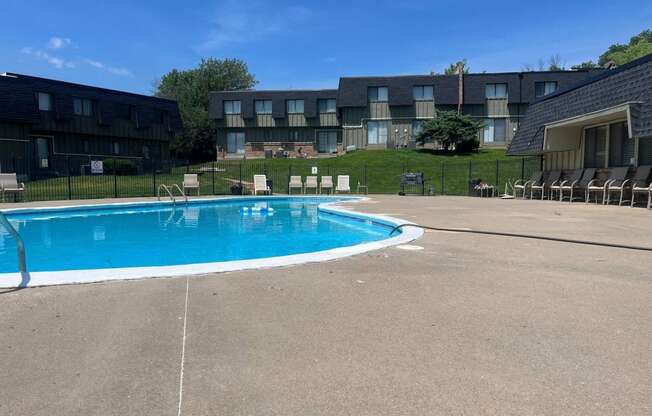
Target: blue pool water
x=161 y=235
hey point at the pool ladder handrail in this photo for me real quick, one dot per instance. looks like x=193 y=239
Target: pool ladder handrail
x=170 y=194
x=20 y=246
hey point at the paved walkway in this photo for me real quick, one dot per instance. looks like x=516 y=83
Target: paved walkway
x=471 y=324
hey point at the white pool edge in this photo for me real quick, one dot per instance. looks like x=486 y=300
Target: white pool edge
x=35 y=279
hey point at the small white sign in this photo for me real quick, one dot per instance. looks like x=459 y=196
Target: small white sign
x=314 y=170
x=97 y=166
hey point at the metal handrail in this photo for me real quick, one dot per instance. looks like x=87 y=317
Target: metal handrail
x=20 y=246
x=183 y=194
x=164 y=187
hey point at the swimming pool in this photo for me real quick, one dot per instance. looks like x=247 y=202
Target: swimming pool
x=91 y=243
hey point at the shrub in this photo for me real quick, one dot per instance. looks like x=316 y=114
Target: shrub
x=120 y=167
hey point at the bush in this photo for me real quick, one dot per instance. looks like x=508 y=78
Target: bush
x=452 y=131
x=120 y=167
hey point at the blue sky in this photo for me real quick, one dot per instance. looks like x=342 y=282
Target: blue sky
x=127 y=45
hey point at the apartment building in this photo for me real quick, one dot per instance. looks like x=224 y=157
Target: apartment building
x=376 y=112
x=48 y=127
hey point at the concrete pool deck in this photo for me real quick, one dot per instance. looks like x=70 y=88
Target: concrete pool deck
x=471 y=324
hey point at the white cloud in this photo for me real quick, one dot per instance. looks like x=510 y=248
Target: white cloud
x=56 y=42
x=121 y=71
x=56 y=62
x=237 y=22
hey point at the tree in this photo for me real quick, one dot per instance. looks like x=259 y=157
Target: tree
x=452 y=131
x=638 y=46
x=452 y=68
x=555 y=63
x=585 y=65
x=191 y=88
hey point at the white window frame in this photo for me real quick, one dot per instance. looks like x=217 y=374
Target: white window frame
x=238 y=142
x=423 y=92
x=115 y=148
x=378 y=94
x=232 y=107
x=264 y=105
x=491 y=91
x=545 y=88
x=295 y=106
x=374 y=130
x=327 y=105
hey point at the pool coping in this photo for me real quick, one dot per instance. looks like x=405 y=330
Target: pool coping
x=49 y=278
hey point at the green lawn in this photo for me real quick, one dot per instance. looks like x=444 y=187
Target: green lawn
x=379 y=169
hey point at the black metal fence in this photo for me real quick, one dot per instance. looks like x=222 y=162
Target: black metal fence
x=73 y=177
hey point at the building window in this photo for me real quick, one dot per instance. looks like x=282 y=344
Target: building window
x=44 y=101
x=495 y=130
x=231 y=107
x=82 y=106
x=327 y=142
x=595 y=147
x=377 y=94
x=235 y=143
x=263 y=106
x=496 y=91
x=417 y=128
x=423 y=93
x=327 y=106
x=295 y=106
x=146 y=152
x=86 y=146
x=544 y=88
x=116 y=148
x=377 y=132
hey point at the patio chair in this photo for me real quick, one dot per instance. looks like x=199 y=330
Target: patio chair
x=617 y=184
x=551 y=178
x=573 y=184
x=311 y=183
x=598 y=186
x=521 y=184
x=295 y=182
x=190 y=181
x=260 y=185
x=574 y=176
x=326 y=183
x=343 y=184
x=9 y=184
x=640 y=185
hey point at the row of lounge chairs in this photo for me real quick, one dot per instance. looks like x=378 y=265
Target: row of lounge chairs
x=326 y=184
x=582 y=184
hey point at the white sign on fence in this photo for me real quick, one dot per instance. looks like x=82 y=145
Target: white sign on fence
x=314 y=170
x=97 y=166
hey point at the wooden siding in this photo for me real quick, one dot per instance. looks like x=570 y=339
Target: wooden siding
x=267 y=120
x=354 y=137
x=496 y=108
x=424 y=109
x=571 y=159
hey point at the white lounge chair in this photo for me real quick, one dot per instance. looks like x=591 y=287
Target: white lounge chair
x=9 y=184
x=618 y=184
x=190 y=181
x=326 y=183
x=343 y=184
x=295 y=182
x=521 y=185
x=311 y=183
x=260 y=185
x=640 y=185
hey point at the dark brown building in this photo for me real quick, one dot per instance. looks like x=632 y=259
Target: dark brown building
x=49 y=127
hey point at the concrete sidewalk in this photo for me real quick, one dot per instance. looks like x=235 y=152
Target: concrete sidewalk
x=471 y=324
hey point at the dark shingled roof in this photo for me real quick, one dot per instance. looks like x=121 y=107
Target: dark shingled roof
x=353 y=90
x=18 y=103
x=629 y=83
x=247 y=98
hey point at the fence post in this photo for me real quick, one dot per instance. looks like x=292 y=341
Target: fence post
x=69 y=180
x=213 y=177
x=289 y=176
x=115 y=180
x=154 y=179
x=443 y=179
x=522 y=168
x=240 y=165
x=497 y=173
x=468 y=183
